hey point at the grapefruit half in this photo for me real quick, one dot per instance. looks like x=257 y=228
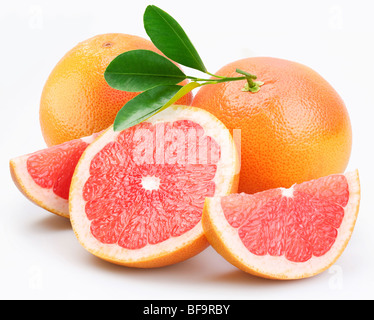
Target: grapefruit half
x=285 y=233
x=137 y=196
x=44 y=176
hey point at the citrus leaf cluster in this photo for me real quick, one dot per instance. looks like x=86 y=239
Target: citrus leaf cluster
x=156 y=76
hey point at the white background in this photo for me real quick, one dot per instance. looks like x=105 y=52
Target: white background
x=40 y=257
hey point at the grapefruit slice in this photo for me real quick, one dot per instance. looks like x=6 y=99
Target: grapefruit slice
x=137 y=196
x=44 y=176
x=285 y=233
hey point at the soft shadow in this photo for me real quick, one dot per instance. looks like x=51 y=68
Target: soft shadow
x=241 y=278
x=194 y=271
x=52 y=223
x=190 y=273
x=183 y=268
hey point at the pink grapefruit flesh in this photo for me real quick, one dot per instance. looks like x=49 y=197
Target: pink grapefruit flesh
x=137 y=195
x=285 y=233
x=45 y=176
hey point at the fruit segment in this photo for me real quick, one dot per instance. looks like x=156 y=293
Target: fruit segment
x=54 y=168
x=285 y=233
x=44 y=176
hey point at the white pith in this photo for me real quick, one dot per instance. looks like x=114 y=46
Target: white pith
x=287 y=192
x=151 y=183
x=279 y=267
x=226 y=170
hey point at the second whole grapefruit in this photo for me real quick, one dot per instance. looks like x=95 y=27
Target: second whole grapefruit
x=296 y=128
x=76 y=100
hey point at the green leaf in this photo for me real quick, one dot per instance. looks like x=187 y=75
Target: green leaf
x=140 y=70
x=168 y=36
x=144 y=105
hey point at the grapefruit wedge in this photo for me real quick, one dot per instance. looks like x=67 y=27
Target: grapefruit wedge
x=285 y=233
x=137 y=196
x=44 y=176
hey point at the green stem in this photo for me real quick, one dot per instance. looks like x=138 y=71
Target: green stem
x=197 y=79
x=251 y=86
x=221 y=79
x=214 y=75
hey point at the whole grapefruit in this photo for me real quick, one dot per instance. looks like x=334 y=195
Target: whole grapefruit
x=76 y=100
x=295 y=129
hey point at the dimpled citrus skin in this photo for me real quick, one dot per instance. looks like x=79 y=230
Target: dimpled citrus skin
x=295 y=129
x=76 y=100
